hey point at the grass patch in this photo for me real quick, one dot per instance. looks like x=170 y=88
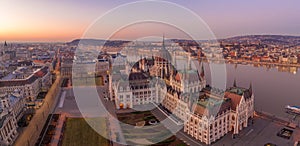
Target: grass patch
x=78 y=132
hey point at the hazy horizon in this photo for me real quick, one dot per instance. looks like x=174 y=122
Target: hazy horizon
x=2 y=41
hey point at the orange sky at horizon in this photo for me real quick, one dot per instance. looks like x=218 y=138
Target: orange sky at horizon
x=40 y=35
x=41 y=21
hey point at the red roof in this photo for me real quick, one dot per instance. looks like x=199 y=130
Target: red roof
x=235 y=99
x=177 y=77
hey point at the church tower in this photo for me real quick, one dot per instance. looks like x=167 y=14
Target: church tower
x=5 y=44
x=234 y=83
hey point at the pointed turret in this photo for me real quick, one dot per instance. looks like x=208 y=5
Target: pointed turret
x=5 y=44
x=174 y=59
x=234 y=83
x=199 y=55
x=202 y=71
x=189 y=62
x=250 y=88
x=164 y=53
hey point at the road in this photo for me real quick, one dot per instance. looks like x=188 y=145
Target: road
x=69 y=104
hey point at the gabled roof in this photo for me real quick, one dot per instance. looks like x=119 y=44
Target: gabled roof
x=235 y=99
x=177 y=77
x=42 y=72
x=138 y=76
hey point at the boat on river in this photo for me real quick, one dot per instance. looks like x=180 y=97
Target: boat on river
x=293 y=109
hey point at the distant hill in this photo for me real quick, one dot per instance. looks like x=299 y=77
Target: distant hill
x=264 y=39
x=86 y=41
x=96 y=42
x=267 y=39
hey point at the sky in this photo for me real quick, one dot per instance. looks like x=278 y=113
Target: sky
x=65 y=20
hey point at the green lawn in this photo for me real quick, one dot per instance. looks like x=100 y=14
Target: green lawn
x=79 y=133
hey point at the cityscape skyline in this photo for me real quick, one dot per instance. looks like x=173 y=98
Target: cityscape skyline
x=149 y=72
x=49 y=21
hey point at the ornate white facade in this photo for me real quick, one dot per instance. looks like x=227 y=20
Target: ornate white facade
x=12 y=109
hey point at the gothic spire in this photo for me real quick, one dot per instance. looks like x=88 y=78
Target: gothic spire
x=189 y=62
x=250 y=88
x=164 y=52
x=202 y=71
x=175 y=62
x=5 y=44
x=234 y=83
x=199 y=56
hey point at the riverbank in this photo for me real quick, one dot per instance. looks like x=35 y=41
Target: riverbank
x=245 y=62
x=279 y=120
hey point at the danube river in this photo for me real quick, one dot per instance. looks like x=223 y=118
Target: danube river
x=273 y=89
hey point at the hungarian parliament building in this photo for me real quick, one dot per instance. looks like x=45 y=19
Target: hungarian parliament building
x=157 y=77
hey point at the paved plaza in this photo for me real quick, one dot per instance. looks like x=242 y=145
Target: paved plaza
x=261 y=132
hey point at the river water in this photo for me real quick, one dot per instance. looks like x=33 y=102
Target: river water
x=273 y=89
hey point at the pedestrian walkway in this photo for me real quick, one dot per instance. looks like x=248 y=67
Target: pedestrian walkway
x=62 y=99
x=57 y=138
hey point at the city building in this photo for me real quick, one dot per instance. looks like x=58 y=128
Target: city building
x=214 y=115
x=66 y=66
x=8 y=128
x=11 y=110
x=29 y=81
